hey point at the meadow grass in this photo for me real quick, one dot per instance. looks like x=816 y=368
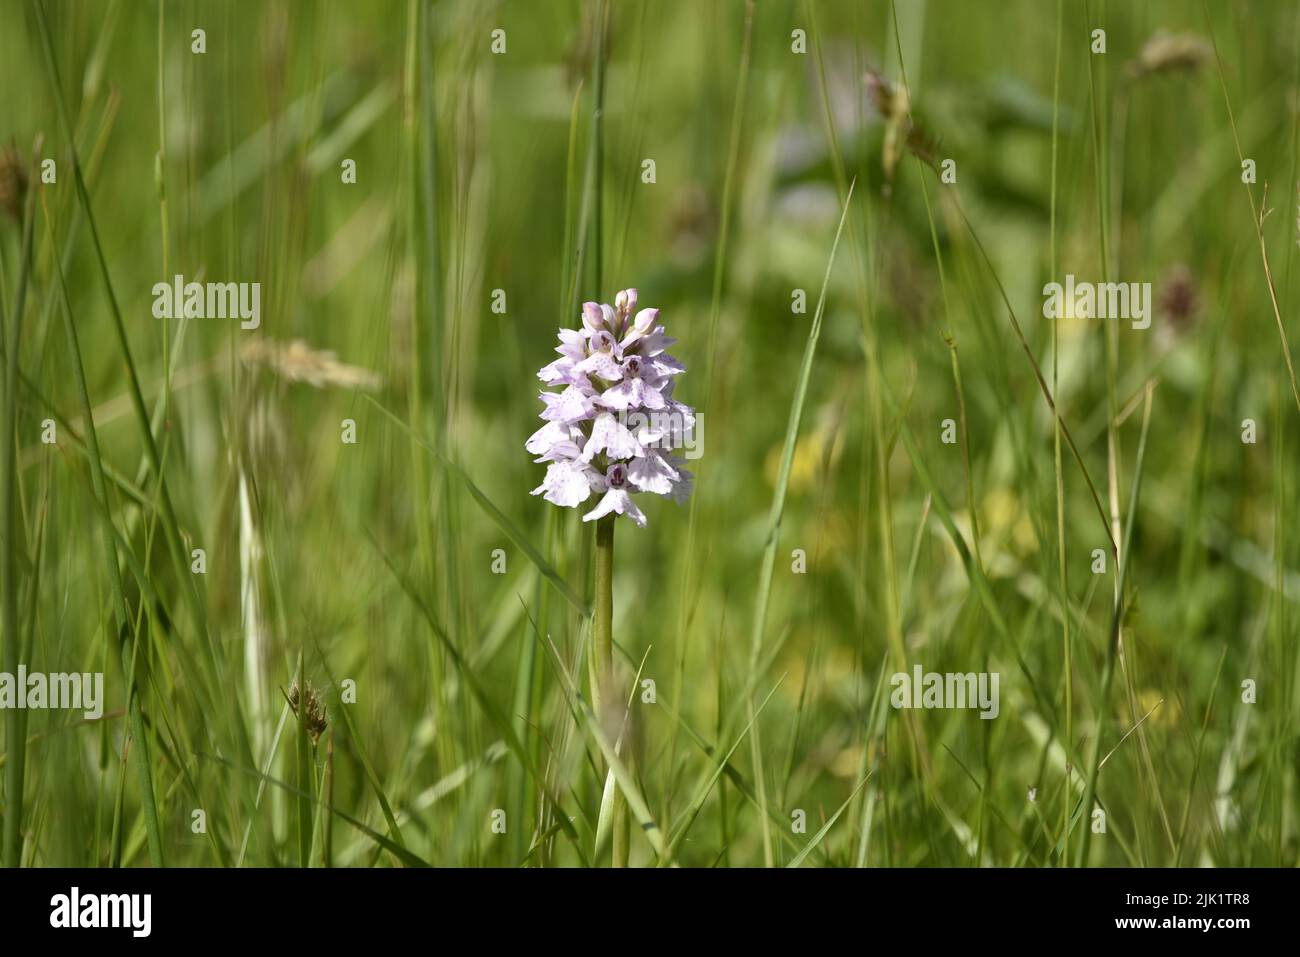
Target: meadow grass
x=904 y=463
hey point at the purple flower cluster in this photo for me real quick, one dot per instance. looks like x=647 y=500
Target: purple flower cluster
x=612 y=426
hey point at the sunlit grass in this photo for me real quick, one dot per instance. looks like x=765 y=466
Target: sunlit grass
x=449 y=620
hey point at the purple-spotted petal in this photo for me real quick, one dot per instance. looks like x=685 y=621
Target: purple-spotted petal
x=654 y=342
x=566 y=483
x=600 y=364
x=612 y=437
x=571 y=405
x=650 y=473
x=616 y=500
x=547 y=437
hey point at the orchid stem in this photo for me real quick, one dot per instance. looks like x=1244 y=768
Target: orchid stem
x=603 y=650
x=603 y=690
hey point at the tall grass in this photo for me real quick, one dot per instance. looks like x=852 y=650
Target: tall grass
x=836 y=298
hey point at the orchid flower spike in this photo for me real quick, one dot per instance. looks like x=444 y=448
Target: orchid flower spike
x=612 y=423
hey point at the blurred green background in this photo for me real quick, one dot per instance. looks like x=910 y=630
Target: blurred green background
x=372 y=563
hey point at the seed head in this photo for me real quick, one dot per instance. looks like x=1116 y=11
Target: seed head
x=316 y=717
x=13 y=182
x=1166 y=52
x=1178 y=299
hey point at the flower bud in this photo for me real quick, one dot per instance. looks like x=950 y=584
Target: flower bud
x=645 y=319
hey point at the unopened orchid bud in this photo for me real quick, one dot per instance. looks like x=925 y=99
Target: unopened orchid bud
x=645 y=320
x=593 y=318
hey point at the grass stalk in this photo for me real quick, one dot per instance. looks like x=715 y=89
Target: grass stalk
x=138 y=746
x=10 y=560
x=773 y=535
x=1054 y=265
